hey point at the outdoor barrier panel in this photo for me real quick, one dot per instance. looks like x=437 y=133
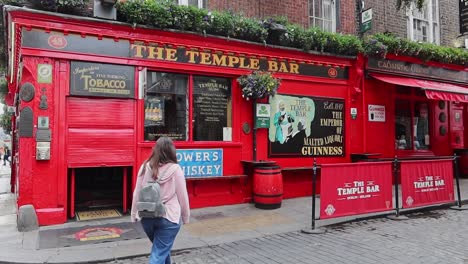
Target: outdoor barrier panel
x=355 y=188
x=426 y=182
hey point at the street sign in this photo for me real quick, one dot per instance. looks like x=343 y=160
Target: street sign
x=366 y=20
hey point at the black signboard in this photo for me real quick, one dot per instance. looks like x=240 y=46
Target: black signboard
x=26 y=122
x=211 y=100
x=106 y=80
x=463 y=16
x=75 y=43
x=306 y=126
x=417 y=70
x=105 y=46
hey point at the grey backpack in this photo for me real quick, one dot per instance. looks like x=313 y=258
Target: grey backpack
x=149 y=203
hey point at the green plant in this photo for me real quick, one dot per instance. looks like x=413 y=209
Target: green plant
x=379 y=45
x=258 y=84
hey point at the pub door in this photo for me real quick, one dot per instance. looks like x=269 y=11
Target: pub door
x=100 y=154
x=456 y=125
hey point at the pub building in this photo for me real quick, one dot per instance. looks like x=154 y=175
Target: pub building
x=418 y=108
x=92 y=97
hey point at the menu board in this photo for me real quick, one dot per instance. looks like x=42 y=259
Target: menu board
x=211 y=101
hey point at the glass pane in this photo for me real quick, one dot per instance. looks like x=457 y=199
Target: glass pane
x=317 y=9
x=402 y=125
x=434 y=10
x=212 y=109
x=193 y=3
x=318 y=23
x=166 y=111
x=421 y=126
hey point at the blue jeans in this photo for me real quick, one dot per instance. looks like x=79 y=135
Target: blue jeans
x=162 y=234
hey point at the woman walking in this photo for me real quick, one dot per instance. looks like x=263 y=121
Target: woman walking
x=162 y=166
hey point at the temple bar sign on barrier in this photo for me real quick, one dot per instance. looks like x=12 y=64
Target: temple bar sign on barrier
x=361 y=188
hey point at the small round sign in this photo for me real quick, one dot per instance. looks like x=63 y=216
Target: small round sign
x=27 y=92
x=332 y=72
x=57 y=41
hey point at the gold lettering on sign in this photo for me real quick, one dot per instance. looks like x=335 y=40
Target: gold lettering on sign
x=213 y=59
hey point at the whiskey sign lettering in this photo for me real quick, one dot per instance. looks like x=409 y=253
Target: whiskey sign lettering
x=106 y=80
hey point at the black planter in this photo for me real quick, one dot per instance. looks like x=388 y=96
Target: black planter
x=275 y=32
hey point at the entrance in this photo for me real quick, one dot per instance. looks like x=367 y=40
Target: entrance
x=99 y=192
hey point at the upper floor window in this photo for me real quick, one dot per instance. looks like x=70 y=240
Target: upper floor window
x=196 y=3
x=423 y=25
x=322 y=14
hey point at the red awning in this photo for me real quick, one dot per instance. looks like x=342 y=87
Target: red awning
x=434 y=90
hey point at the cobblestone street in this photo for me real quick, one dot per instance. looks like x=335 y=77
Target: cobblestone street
x=430 y=237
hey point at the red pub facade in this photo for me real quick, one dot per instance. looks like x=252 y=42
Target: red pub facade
x=92 y=97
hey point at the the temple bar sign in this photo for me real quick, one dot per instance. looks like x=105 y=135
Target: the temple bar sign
x=106 y=80
x=184 y=55
x=140 y=50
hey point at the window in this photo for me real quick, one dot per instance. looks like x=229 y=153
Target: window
x=196 y=3
x=411 y=121
x=167 y=107
x=322 y=14
x=166 y=111
x=424 y=25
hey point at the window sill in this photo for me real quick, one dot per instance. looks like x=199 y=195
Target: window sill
x=414 y=153
x=210 y=144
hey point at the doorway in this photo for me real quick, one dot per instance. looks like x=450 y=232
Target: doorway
x=98 y=192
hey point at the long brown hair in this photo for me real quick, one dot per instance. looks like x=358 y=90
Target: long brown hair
x=163 y=152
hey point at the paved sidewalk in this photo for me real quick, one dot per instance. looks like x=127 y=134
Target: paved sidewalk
x=208 y=227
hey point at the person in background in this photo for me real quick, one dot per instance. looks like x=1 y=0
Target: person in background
x=6 y=156
x=162 y=231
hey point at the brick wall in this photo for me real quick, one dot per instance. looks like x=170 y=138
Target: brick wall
x=348 y=18
x=449 y=22
x=295 y=10
x=387 y=19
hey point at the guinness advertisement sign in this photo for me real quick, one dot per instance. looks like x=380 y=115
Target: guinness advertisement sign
x=416 y=70
x=106 y=80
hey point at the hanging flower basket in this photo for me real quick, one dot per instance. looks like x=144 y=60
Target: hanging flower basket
x=258 y=85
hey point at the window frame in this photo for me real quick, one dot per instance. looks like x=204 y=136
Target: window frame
x=185 y=3
x=413 y=98
x=332 y=19
x=433 y=30
x=190 y=104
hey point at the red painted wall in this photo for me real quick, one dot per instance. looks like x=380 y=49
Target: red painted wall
x=96 y=131
x=40 y=182
x=100 y=132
